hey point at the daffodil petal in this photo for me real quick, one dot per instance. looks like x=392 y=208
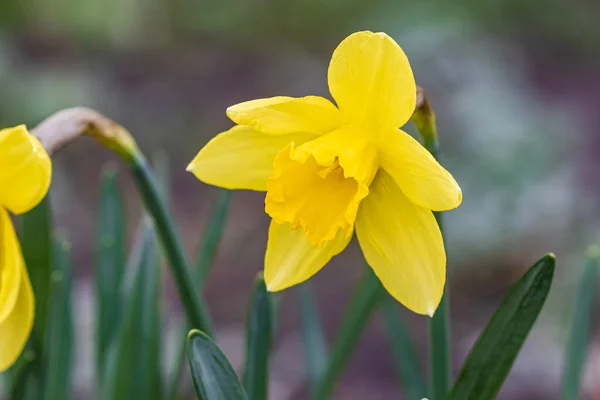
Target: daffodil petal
x=418 y=174
x=291 y=259
x=16 y=296
x=282 y=115
x=241 y=158
x=25 y=170
x=11 y=269
x=371 y=80
x=16 y=328
x=403 y=245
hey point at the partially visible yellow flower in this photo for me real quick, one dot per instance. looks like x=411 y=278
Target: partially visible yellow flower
x=25 y=173
x=328 y=170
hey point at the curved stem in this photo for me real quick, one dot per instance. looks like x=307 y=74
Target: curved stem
x=65 y=126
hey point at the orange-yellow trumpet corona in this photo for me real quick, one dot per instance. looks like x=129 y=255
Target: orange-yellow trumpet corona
x=328 y=171
x=25 y=173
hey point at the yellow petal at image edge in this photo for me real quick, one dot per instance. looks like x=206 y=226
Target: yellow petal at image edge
x=403 y=245
x=423 y=180
x=290 y=259
x=241 y=158
x=25 y=170
x=372 y=82
x=15 y=330
x=11 y=270
x=284 y=115
x=16 y=325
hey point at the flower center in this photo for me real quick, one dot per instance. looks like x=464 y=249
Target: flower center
x=320 y=199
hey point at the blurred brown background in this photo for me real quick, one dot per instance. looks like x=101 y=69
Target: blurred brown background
x=516 y=88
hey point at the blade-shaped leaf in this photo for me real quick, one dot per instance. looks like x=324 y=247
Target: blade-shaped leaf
x=110 y=264
x=404 y=353
x=580 y=325
x=315 y=348
x=36 y=244
x=60 y=331
x=133 y=367
x=213 y=375
x=365 y=301
x=259 y=337
x=494 y=353
x=205 y=257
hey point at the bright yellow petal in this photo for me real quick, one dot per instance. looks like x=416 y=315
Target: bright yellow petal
x=15 y=329
x=403 y=244
x=372 y=82
x=291 y=259
x=241 y=158
x=281 y=115
x=418 y=174
x=16 y=296
x=10 y=266
x=310 y=187
x=355 y=152
x=25 y=170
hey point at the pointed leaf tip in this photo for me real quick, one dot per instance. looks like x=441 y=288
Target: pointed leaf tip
x=213 y=376
x=494 y=353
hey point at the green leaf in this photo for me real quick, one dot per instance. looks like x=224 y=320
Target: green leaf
x=580 y=325
x=213 y=375
x=404 y=353
x=206 y=253
x=365 y=302
x=259 y=338
x=36 y=244
x=315 y=348
x=133 y=365
x=110 y=264
x=149 y=189
x=60 y=331
x=492 y=357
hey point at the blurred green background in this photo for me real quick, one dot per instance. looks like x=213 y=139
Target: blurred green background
x=515 y=88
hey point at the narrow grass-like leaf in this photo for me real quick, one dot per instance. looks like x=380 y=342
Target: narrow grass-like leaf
x=110 y=264
x=580 y=325
x=315 y=348
x=149 y=190
x=365 y=301
x=259 y=338
x=60 y=330
x=207 y=251
x=205 y=260
x=133 y=367
x=213 y=375
x=409 y=369
x=36 y=244
x=494 y=353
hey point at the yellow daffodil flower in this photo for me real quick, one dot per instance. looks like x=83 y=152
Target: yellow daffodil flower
x=329 y=170
x=25 y=173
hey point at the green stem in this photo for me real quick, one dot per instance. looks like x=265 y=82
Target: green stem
x=439 y=324
x=150 y=192
x=365 y=301
x=439 y=351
